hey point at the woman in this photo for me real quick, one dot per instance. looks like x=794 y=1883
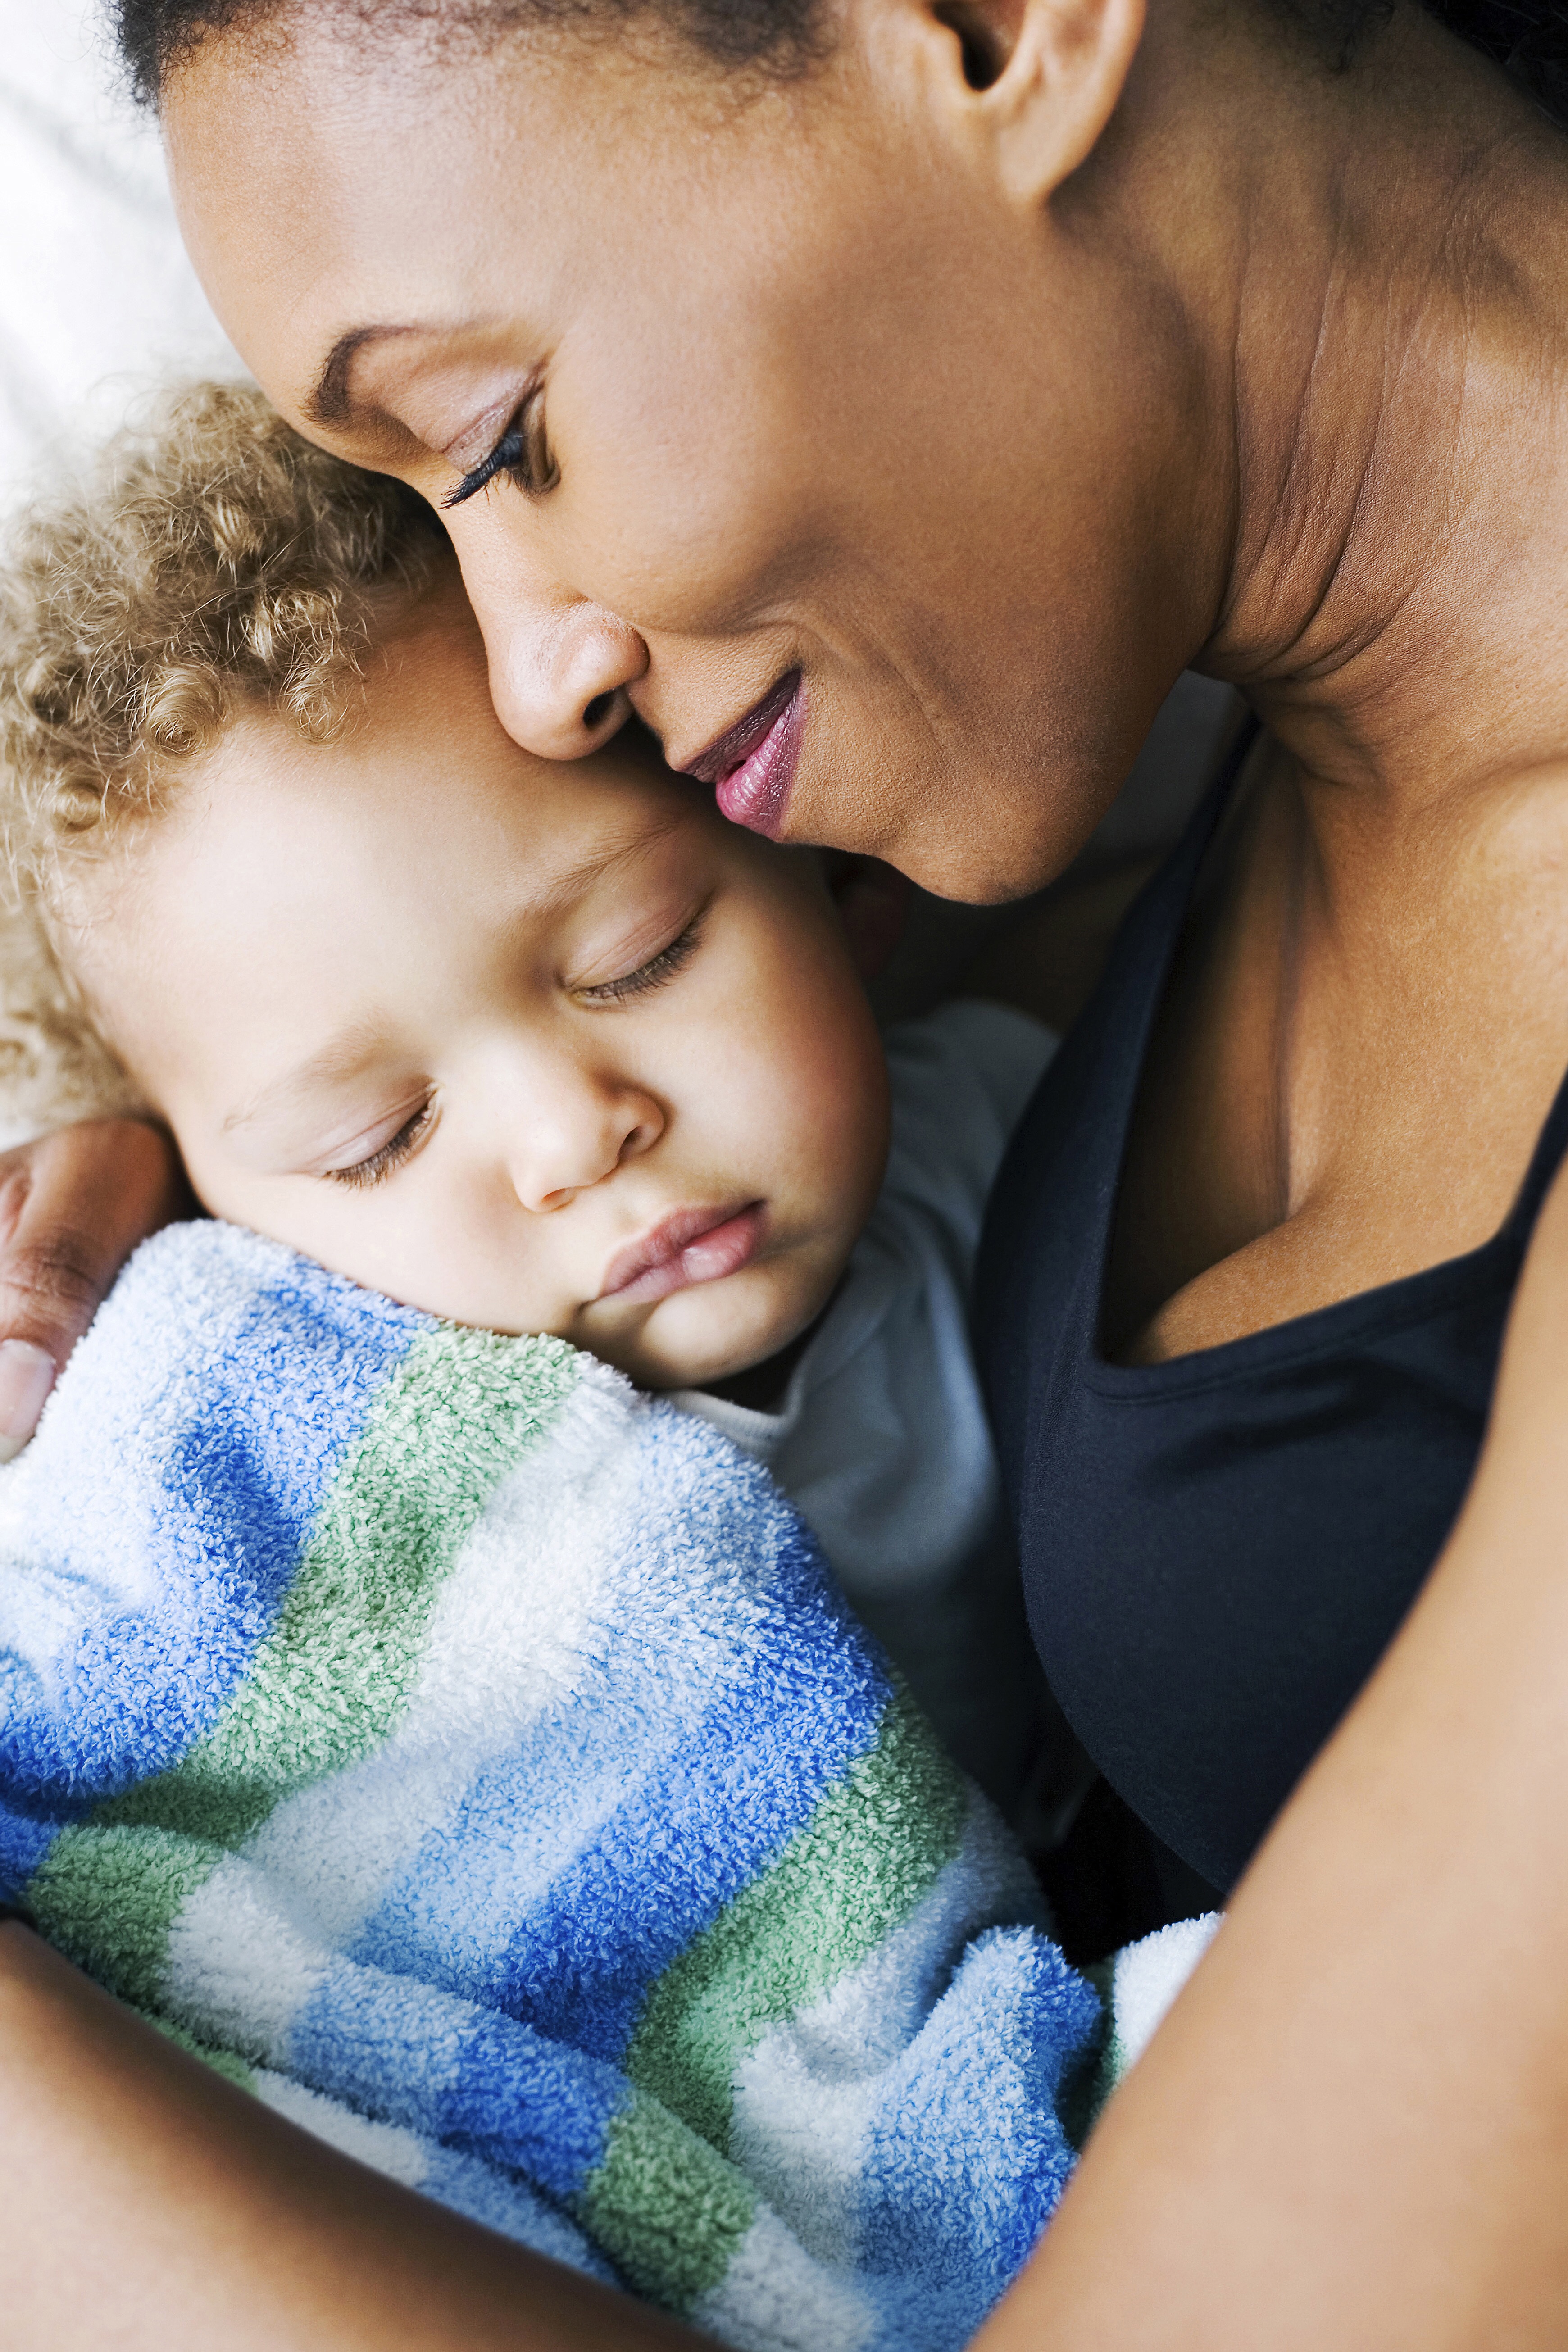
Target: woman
x=884 y=401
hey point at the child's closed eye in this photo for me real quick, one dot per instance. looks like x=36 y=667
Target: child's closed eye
x=653 y=973
x=389 y=1156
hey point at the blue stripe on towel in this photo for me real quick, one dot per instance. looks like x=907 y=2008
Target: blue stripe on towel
x=517 y=2098
x=507 y=2205
x=452 y=1912
x=280 y=1410
x=24 y=1844
x=770 y=1744
x=228 y=1461
x=974 y=2101
x=394 y=2047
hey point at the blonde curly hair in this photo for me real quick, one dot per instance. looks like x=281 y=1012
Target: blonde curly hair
x=212 y=562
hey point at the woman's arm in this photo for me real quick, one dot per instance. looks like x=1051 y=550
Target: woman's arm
x=1353 y=2131
x=147 y=2204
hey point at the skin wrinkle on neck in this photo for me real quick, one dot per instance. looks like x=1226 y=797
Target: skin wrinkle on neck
x=1319 y=596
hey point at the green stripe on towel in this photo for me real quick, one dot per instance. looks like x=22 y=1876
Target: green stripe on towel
x=667 y=2210
x=108 y=1898
x=338 y=1669
x=873 y=1848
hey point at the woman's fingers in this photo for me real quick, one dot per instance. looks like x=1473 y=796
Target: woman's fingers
x=73 y=1206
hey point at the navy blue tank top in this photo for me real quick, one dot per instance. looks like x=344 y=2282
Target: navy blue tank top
x=1218 y=1550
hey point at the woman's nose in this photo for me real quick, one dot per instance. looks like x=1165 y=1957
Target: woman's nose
x=560 y=666
x=571 y=1134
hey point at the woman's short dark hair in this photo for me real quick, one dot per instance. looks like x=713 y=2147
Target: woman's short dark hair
x=1528 y=38
x=782 y=36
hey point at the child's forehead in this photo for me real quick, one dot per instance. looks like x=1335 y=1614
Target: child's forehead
x=306 y=874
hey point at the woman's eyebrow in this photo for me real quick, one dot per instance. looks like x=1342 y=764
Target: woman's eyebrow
x=330 y=400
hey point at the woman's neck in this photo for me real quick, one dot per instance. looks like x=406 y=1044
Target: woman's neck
x=1364 y=1031
x=1381 y=281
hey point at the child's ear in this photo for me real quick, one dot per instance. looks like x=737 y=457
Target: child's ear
x=873 y=902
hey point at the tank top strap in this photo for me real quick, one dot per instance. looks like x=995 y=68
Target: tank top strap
x=1118 y=1025
x=1161 y=912
x=1551 y=1146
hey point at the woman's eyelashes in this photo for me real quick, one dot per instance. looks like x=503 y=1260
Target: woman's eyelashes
x=389 y=1156
x=522 y=453
x=655 y=973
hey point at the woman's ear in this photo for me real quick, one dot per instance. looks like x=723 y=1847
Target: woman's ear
x=873 y=902
x=1047 y=76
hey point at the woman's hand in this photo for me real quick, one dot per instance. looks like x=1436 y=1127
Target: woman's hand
x=73 y=1206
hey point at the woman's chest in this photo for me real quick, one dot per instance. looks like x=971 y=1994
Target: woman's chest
x=1219 y=1539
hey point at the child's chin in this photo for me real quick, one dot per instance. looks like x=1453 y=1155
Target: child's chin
x=691 y=1362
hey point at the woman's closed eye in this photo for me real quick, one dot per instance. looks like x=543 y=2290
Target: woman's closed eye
x=523 y=454
x=655 y=973
x=388 y=1157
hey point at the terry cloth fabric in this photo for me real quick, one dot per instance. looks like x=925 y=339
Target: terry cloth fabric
x=1138 y=1985
x=882 y=1440
x=473 y=1757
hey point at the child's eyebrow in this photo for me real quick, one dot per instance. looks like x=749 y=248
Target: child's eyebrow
x=343 y=1056
x=618 y=850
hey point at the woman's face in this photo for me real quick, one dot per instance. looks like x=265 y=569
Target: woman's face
x=858 y=474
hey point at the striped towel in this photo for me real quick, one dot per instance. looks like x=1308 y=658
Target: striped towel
x=471 y=1756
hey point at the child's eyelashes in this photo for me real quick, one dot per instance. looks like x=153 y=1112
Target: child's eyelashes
x=389 y=1156
x=655 y=973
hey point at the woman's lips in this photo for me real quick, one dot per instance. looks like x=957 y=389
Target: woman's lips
x=753 y=763
x=694 y=1246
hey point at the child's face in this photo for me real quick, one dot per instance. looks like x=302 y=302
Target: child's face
x=536 y=1047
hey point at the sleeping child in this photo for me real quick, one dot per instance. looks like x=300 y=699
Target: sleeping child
x=410 y=1694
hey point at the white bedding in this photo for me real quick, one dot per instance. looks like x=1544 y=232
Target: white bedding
x=96 y=298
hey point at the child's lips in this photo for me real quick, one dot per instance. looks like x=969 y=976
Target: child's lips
x=692 y=1247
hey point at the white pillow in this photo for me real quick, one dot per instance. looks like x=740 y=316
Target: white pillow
x=98 y=302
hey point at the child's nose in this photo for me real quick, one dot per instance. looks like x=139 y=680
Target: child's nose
x=575 y=1135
